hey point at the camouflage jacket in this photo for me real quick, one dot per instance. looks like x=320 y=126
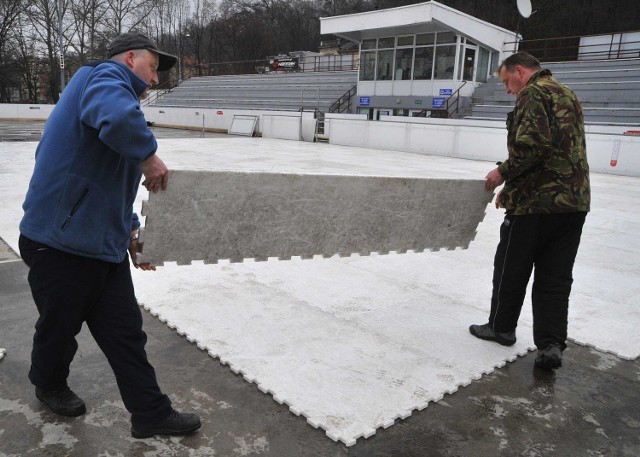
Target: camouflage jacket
x=547 y=169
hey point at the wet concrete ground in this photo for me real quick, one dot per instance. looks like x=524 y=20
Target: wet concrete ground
x=588 y=407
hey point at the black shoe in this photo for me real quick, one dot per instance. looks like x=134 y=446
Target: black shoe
x=485 y=332
x=63 y=402
x=550 y=357
x=174 y=424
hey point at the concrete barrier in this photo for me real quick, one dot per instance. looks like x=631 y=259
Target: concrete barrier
x=289 y=126
x=25 y=112
x=609 y=149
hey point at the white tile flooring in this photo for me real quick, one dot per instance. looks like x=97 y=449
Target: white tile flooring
x=354 y=343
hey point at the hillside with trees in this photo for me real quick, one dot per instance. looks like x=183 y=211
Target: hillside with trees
x=205 y=33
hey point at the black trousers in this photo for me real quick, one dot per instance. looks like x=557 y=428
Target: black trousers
x=69 y=290
x=548 y=242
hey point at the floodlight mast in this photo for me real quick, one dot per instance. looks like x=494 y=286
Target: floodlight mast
x=61 y=46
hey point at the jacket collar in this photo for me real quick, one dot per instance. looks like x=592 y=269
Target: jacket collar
x=138 y=84
x=538 y=75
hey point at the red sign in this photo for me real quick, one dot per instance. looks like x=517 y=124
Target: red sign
x=632 y=132
x=220 y=112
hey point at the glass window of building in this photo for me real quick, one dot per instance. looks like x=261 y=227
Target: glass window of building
x=445 y=61
x=367 y=65
x=423 y=67
x=385 y=43
x=446 y=38
x=385 y=58
x=405 y=40
x=368 y=44
x=404 y=59
x=425 y=39
x=385 y=65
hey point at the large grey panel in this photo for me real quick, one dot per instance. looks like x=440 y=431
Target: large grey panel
x=207 y=215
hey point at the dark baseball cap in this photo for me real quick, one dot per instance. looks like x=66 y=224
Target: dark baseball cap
x=131 y=41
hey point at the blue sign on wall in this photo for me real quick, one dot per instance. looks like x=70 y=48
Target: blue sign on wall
x=446 y=91
x=438 y=102
x=365 y=101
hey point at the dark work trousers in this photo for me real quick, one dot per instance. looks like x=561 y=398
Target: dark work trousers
x=69 y=290
x=549 y=243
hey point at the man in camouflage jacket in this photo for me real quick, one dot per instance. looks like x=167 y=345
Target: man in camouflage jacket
x=546 y=197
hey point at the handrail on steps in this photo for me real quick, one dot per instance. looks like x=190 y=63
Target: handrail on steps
x=337 y=106
x=457 y=100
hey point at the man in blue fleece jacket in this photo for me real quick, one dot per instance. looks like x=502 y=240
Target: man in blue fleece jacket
x=78 y=225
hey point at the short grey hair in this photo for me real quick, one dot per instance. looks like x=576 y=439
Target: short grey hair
x=521 y=58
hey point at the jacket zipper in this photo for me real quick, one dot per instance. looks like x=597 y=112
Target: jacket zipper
x=75 y=208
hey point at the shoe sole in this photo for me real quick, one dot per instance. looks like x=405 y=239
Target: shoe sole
x=188 y=431
x=63 y=412
x=496 y=339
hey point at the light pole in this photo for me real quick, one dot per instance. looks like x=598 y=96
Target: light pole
x=186 y=35
x=61 y=46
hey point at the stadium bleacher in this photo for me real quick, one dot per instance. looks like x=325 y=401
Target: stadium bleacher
x=609 y=91
x=271 y=91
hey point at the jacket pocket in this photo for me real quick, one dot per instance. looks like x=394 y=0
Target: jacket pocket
x=75 y=209
x=81 y=218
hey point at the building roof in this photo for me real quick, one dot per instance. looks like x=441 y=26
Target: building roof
x=419 y=18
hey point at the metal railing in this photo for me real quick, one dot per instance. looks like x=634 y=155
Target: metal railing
x=343 y=103
x=345 y=62
x=450 y=103
x=159 y=91
x=570 y=48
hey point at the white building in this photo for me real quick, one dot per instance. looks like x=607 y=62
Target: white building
x=417 y=57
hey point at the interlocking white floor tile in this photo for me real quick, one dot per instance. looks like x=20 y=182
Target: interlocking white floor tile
x=355 y=343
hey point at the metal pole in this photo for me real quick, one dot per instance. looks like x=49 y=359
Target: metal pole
x=179 y=54
x=61 y=46
x=301 y=111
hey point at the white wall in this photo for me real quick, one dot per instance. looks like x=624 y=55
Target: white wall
x=292 y=126
x=478 y=140
x=193 y=118
x=467 y=139
x=271 y=124
x=25 y=111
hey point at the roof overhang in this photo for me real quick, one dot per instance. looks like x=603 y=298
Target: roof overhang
x=419 y=18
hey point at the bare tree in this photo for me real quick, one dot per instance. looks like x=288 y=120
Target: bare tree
x=88 y=25
x=30 y=64
x=10 y=11
x=125 y=15
x=204 y=12
x=43 y=16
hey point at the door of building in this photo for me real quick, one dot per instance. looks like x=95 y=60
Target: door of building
x=469 y=63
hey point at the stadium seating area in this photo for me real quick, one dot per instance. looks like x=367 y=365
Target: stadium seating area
x=271 y=91
x=608 y=89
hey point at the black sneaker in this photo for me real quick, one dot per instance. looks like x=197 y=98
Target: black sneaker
x=485 y=332
x=64 y=402
x=175 y=424
x=550 y=357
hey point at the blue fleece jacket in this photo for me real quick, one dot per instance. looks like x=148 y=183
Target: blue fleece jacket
x=87 y=170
